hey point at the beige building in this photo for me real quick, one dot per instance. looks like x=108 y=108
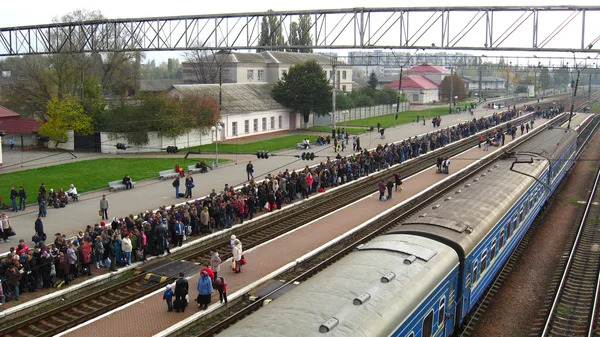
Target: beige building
x=264 y=67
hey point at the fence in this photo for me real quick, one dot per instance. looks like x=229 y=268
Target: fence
x=359 y=113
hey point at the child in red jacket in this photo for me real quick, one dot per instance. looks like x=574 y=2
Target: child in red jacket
x=221 y=286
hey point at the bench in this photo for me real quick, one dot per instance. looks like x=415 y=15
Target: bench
x=300 y=146
x=162 y=175
x=118 y=185
x=193 y=169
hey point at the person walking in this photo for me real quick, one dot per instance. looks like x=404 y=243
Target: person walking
x=42 y=204
x=237 y=255
x=215 y=263
x=176 y=185
x=205 y=290
x=181 y=292
x=5 y=226
x=39 y=228
x=11 y=142
x=250 y=170
x=14 y=194
x=168 y=296
x=22 y=198
x=104 y=207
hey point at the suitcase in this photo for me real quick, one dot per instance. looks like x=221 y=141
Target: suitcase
x=181 y=195
x=62 y=205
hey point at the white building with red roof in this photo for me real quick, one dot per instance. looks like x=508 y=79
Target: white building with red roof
x=421 y=85
x=418 y=89
x=433 y=73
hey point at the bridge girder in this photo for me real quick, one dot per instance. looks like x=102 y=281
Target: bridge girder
x=551 y=29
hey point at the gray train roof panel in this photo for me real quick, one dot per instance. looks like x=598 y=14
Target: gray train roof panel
x=488 y=196
x=331 y=293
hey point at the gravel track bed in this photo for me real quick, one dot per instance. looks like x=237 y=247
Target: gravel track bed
x=526 y=287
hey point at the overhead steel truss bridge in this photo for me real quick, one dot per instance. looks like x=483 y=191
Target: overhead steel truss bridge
x=553 y=29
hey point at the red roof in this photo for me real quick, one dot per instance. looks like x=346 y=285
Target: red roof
x=24 y=126
x=4 y=113
x=413 y=82
x=428 y=68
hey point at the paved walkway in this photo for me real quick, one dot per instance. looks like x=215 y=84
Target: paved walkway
x=151 y=194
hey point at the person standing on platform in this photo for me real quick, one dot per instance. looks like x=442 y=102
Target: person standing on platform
x=189 y=184
x=237 y=255
x=181 y=292
x=205 y=290
x=215 y=262
x=14 y=194
x=104 y=207
x=179 y=229
x=176 y=185
x=168 y=296
x=398 y=181
x=22 y=198
x=389 y=185
x=381 y=187
x=39 y=228
x=221 y=286
x=250 y=170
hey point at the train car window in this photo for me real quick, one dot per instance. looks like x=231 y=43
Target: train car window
x=412 y=334
x=483 y=261
x=521 y=214
x=514 y=225
x=515 y=222
x=508 y=231
x=475 y=271
x=441 y=312
x=501 y=240
x=493 y=250
x=428 y=325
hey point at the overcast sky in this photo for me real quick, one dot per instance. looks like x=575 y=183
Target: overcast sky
x=21 y=13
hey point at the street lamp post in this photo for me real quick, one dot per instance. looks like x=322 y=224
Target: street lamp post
x=215 y=130
x=400 y=82
x=455 y=101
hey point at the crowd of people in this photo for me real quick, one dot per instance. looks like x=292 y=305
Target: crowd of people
x=132 y=238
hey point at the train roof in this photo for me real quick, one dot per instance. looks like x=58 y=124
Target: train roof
x=549 y=143
x=331 y=293
x=465 y=215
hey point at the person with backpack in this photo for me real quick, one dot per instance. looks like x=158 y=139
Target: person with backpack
x=176 y=185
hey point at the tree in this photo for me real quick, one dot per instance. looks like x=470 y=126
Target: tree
x=305 y=89
x=65 y=114
x=458 y=88
x=545 y=79
x=293 y=39
x=562 y=76
x=205 y=64
x=373 y=81
x=270 y=32
x=304 y=38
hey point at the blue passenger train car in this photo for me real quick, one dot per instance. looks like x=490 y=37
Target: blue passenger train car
x=423 y=277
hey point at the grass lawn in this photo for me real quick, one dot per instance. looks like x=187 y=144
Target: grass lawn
x=403 y=117
x=275 y=144
x=87 y=175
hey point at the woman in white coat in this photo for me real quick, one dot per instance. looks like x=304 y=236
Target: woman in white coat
x=237 y=254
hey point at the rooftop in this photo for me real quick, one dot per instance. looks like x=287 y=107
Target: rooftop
x=428 y=68
x=413 y=82
x=7 y=113
x=236 y=97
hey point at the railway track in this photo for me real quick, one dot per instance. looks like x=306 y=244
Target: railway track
x=61 y=318
x=313 y=266
x=572 y=309
x=74 y=313
x=481 y=307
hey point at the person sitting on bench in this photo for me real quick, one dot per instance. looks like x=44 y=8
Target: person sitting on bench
x=72 y=192
x=306 y=143
x=127 y=182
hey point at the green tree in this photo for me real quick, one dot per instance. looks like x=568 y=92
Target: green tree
x=293 y=40
x=373 y=81
x=562 y=76
x=65 y=114
x=344 y=102
x=304 y=26
x=305 y=89
x=545 y=79
x=452 y=86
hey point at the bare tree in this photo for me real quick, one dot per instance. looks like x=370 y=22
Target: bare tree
x=206 y=65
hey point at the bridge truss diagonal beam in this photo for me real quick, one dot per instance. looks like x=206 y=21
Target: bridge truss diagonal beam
x=553 y=29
